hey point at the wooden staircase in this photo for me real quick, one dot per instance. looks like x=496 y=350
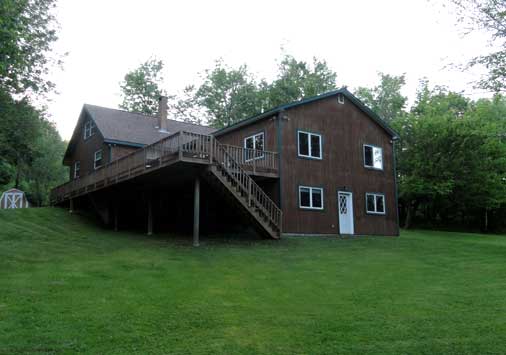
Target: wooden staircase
x=226 y=171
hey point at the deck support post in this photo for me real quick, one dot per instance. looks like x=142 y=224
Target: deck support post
x=196 y=212
x=150 y=215
x=116 y=213
x=71 y=205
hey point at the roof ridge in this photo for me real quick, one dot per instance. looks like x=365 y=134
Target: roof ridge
x=146 y=115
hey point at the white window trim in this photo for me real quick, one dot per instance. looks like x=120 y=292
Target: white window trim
x=340 y=98
x=310 y=198
x=89 y=129
x=95 y=159
x=372 y=166
x=77 y=163
x=309 y=145
x=254 y=146
x=375 y=194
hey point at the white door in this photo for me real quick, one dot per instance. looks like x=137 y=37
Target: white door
x=345 y=210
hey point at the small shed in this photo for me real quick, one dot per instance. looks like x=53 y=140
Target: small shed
x=13 y=198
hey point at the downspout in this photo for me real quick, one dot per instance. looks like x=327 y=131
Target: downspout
x=395 y=139
x=279 y=127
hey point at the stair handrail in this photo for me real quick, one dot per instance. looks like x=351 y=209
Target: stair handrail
x=274 y=213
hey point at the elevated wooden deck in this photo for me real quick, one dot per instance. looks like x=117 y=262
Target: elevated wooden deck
x=232 y=167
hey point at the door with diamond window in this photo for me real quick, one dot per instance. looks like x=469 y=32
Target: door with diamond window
x=345 y=211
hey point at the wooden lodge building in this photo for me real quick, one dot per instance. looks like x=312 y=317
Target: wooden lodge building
x=320 y=166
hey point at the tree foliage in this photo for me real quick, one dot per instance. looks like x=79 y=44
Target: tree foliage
x=385 y=98
x=141 y=87
x=27 y=32
x=228 y=95
x=451 y=158
x=488 y=15
x=298 y=79
x=31 y=150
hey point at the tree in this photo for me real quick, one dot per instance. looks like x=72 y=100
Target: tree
x=297 y=80
x=140 y=89
x=451 y=158
x=488 y=15
x=46 y=169
x=385 y=98
x=19 y=128
x=228 y=95
x=27 y=32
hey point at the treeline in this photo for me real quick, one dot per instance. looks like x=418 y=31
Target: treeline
x=226 y=94
x=451 y=156
x=31 y=149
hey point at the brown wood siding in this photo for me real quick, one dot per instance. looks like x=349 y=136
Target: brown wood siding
x=344 y=129
x=119 y=151
x=85 y=151
x=268 y=126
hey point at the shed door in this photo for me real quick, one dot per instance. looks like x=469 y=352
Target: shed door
x=345 y=210
x=13 y=200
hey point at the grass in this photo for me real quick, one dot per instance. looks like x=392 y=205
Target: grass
x=68 y=286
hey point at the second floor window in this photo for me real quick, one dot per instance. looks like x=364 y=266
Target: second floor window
x=309 y=145
x=97 y=162
x=77 y=169
x=89 y=129
x=254 y=146
x=373 y=157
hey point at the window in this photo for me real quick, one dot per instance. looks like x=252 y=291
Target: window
x=77 y=169
x=254 y=146
x=375 y=203
x=310 y=145
x=311 y=197
x=89 y=129
x=340 y=99
x=373 y=157
x=97 y=163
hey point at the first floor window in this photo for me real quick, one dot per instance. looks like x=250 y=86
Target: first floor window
x=311 y=197
x=309 y=145
x=254 y=146
x=89 y=129
x=373 y=157
x=375 y=203
x=98 y=159
x=77 y=169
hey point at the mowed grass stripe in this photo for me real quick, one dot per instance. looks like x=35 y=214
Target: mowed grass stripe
x=70 y=286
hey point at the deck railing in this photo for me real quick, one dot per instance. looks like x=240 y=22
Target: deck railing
x=252 y=159
x=181 y=145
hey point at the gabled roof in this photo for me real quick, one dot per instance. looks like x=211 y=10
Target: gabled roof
x=342 y=91
x=129 y=128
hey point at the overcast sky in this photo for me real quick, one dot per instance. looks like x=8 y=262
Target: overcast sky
x=359 y=38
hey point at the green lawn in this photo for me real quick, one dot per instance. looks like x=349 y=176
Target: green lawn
x=68 y=286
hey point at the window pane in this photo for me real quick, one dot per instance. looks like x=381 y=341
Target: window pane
x=317 y=198
x=315 y=146
x=370 y=203
x=367 y=155
x=380 y=204
x=303 y=144
x=378 y=158
x=304 y=197
x=259 y=142
x=249 y=143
